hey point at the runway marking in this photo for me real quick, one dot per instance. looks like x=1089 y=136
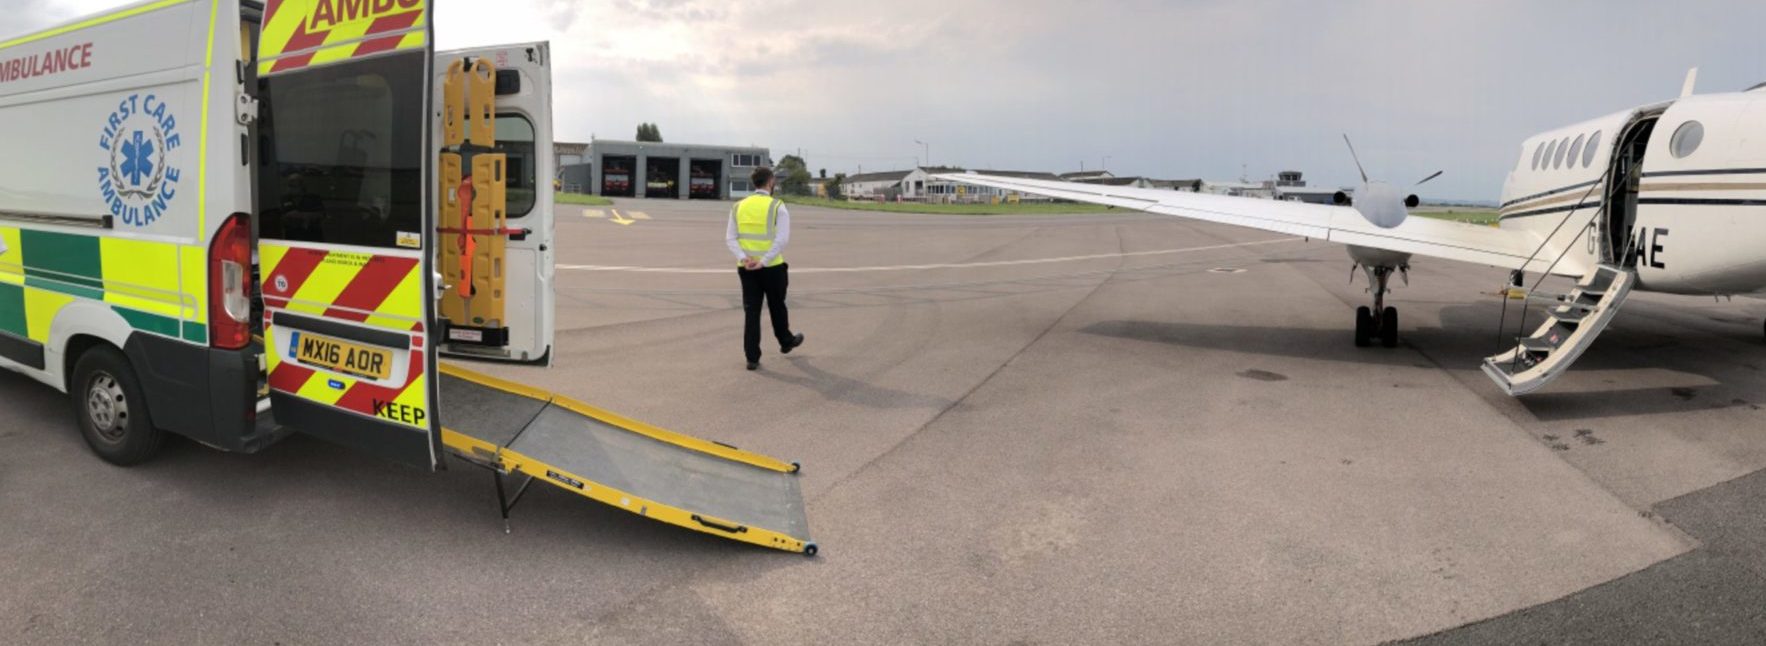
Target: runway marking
x=594 y=213
x=620 y=220
x=970 y=265
x=638 y=215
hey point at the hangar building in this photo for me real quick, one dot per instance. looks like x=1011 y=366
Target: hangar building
x=661 y=170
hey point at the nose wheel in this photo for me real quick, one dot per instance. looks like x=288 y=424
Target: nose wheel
x=1369 y=328
x=1378 y=322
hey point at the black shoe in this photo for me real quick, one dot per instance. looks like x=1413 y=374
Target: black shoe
x=796 y=340
x=753 y=365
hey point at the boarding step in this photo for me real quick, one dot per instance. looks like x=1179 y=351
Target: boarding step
x=1571 y=313
x=1567 y=332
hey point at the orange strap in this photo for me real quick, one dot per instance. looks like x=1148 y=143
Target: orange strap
x=467 y=244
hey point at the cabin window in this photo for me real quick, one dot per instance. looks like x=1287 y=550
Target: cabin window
x=1538 y=151
x=1557 y=158
x=1588 y=153
x=1575 y=151
x=1686 y=139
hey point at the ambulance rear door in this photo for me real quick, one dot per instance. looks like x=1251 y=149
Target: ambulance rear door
x=496 y=251
x=344 y=201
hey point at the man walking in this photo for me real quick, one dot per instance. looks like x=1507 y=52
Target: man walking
x=759 y=228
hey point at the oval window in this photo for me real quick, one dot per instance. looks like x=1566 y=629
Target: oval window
x=1686 y=139
x=1575 y=151
x=1557 y=158
x=1538 y=151
x=1588 y=152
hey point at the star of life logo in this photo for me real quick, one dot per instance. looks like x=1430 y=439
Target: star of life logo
x=138 y=180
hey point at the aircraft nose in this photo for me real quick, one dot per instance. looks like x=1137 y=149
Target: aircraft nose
x=1381 y=204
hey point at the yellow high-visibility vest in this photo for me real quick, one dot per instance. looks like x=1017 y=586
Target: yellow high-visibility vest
x=757 y=223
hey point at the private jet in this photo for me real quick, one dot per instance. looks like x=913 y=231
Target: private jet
x=1667 y=198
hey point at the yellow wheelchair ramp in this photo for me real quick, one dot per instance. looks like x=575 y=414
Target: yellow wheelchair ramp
x=538 y=436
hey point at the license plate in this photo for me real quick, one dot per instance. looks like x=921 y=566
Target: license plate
x=342 y=356
x=470 y=336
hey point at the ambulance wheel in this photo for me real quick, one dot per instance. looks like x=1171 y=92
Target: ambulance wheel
x=110 y=409
x=1389 y=328
x=1364 y=326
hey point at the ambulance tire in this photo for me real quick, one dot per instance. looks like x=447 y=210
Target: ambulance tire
x=111 y=409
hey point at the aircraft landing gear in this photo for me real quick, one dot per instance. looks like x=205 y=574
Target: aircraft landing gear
x=1378 y=322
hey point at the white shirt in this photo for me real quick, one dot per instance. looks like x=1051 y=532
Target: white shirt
x=781 y=235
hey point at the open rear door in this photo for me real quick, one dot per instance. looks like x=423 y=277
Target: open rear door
x=496 y=251
x=345 y=222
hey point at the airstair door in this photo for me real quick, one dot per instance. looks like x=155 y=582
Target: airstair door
x=1569 y=328
x=494 y=138
x=344 y=202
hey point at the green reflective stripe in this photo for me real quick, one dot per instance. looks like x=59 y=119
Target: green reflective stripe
x=61 y=262
x=195 y=332
x=73 y=265
x=12 y=310
x=147 y=322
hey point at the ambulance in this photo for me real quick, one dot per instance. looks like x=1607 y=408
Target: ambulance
x=233 y=221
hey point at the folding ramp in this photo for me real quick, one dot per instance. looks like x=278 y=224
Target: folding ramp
x=705 y=486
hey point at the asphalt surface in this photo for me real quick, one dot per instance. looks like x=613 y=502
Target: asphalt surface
x=1027 y=430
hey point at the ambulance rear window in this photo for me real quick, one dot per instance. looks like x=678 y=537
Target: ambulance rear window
x=515 y=136
x=341 y=153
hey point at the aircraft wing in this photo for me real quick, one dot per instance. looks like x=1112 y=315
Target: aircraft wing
x=1505 y=248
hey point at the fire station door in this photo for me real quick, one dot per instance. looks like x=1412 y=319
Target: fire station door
x=343 y=197
x=495 y=223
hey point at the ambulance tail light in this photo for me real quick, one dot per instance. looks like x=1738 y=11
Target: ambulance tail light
x=229 y=272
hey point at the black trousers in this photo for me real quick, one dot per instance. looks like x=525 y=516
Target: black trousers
x=768 y=284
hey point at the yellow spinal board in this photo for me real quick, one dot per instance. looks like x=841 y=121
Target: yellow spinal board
x=473 y=227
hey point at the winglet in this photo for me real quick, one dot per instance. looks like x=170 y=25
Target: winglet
x=1692 y=79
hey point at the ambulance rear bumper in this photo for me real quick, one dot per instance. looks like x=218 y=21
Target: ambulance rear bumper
x=206 y=394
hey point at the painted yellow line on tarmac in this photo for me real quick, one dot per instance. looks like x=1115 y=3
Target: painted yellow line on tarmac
x=970 y=265
x=620 y=220
x=638 y=215
x=594 y=213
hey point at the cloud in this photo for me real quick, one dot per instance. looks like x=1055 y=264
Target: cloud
x=1187 y=88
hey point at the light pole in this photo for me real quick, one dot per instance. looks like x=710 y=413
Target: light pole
x=926 y=151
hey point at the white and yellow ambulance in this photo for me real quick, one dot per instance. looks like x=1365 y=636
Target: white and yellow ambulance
x=218 y=209
x=233 y=220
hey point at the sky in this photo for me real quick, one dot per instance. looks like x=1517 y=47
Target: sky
x=1172 y=89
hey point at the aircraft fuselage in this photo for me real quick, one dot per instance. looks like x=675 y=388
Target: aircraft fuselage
x=1676 y=191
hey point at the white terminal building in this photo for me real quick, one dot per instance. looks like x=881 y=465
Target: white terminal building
x=919 y=185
